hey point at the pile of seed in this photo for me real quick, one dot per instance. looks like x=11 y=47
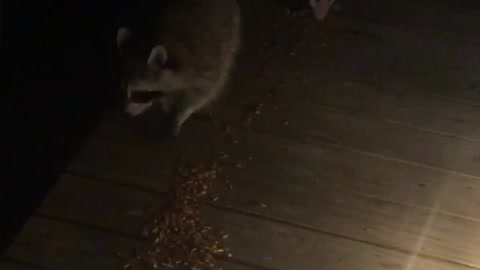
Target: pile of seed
x=178 y=237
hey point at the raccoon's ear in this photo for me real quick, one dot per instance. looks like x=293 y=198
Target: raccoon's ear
x=158 y=57
x=123 y=34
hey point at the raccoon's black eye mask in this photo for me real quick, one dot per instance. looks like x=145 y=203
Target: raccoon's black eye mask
x=144 y=96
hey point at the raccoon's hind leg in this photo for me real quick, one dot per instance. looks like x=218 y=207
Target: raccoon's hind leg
x=188 y=104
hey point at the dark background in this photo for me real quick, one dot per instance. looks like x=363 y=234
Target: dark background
x=58 y=75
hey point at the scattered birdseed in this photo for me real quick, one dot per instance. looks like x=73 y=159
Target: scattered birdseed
x=177 y=237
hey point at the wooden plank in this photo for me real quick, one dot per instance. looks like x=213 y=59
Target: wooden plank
x=56 y=245
x=414 y=16
x=6 y=265
x=387 y=139
x=123 y=208
x=402 y=107
x=252 y=240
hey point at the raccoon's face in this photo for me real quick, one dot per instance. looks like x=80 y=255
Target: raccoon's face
x=144 y=73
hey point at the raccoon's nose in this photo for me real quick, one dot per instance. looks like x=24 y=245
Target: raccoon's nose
x=135 y=109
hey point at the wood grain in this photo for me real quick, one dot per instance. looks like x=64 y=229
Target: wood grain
x=253 y=241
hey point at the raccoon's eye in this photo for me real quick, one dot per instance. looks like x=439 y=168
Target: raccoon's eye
x=144 y=96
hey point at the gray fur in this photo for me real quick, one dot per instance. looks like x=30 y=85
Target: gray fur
x=187 y=54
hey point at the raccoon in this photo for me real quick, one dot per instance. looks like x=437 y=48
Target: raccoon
x=179 y=55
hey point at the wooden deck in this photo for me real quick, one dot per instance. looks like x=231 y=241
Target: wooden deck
x=354 y=144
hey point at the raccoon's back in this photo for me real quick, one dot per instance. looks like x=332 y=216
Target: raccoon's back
x=201 y=36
